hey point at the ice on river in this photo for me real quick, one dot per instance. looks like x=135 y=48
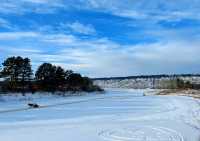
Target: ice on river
x=117 y=115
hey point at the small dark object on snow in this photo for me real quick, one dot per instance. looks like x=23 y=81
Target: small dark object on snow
x=33 y=105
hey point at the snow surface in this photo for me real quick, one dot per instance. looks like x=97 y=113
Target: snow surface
x=117 y=115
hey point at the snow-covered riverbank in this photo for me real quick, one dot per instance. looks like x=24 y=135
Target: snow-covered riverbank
x=117 y=115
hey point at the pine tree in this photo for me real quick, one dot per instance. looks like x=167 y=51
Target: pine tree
x=18 y=70
x=26 y=72
x=60 y=76
x=45 y=76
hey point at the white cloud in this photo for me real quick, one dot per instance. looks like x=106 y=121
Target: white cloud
x=17 y=35
x=4 y=23
x=38 y=1
x=26 y=6
x=142 y=9
x=177 y=51
x=175 y=57
x=99 y=59
x=78 y=27
x=60 y=39
x=136 y=9
x=102 y=57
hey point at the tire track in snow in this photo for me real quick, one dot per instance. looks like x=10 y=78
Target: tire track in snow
x=69 y=103
x=143 y=133
x=50 y=105
x=57 y=104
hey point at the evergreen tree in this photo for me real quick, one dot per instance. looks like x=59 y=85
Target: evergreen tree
x=75 y=80
x=26 y=72
x=68 y=73
x=18 y=70
x=9 y=68
x=46 y=76
x=60 y=77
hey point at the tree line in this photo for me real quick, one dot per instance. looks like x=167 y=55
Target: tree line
x=175 y=76
x=18 y=76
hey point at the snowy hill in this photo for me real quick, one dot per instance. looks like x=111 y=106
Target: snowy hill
x=141 y=82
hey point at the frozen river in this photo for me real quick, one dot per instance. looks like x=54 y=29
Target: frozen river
x=117 y=115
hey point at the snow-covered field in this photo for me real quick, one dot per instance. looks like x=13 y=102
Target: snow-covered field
x=117 y=115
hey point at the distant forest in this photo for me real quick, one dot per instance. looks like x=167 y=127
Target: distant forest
x=17 y=76
x=149 y=76
x=175 y=81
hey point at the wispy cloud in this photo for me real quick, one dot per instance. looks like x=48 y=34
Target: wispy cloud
x=27 y=6
x=38 y=1
x=6 y=24
x=102 y=57
x=104 y=38
x=156 y=9
x=142 y=59
x=78 y=27
x=17 y=35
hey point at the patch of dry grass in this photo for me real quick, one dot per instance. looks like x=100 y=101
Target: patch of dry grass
x=189 y=92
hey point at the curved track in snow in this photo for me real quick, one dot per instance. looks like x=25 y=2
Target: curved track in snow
x=143 y=133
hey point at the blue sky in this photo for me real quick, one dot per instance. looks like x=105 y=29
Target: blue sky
x=101 y=38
